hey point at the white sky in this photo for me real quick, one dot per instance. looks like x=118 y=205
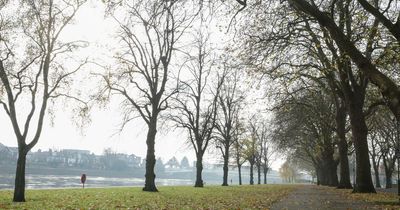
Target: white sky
x=91 y=26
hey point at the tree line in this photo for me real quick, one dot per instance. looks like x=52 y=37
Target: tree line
x=335 y=65
x=38 y=69
x=315 y=60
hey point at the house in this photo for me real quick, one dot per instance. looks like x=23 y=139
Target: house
x=76 y=157
x=8 y=153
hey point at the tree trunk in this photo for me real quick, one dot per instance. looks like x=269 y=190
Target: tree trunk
x=323 y=175
x=19 y=189
x=318 y=172
x=258 y=173
x=344 y=182
x=226 y=162
x=199 y=170
x=265 y=174
x=388 y=176
x=324 y=178
x=328 y=166
x=333 y=178
x=239 y=165
x=388 y=173
x=354 y=96
x=240 y=174
x=360 y=131
x=376 y=170
x=251 y=174
x=150 y=157
x=326 y=174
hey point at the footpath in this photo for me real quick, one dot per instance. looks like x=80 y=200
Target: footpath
x=317 y=197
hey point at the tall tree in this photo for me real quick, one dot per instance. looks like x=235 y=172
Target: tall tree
x=352 y=82
x=33 y=73
x=149 y=33
x=260 y=152
x=251 y=151
x=198 y=99
x=302 y=127
x=376 y=156
x=238 y=147
x=229 y=100
x=338 y=94
x=387 y=134
x=285 y=54
x=268 y=151
x=288 y=172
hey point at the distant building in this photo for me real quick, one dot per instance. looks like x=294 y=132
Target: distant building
x=8 y=153
x=134 y=161
x=75 y=158
x=172 y=163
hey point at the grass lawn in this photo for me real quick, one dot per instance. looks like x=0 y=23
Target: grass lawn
x=383 y=200
x=180 y=197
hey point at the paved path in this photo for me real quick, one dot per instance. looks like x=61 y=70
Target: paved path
x=317 y=197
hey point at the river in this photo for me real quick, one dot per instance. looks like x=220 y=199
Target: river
x=61 y=181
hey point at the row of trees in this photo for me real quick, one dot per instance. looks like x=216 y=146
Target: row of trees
x=288 y=172
x=317 y=52
x=163 y=67
x=195 y=88
x=323 y=56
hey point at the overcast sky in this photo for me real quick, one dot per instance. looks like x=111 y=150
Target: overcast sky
x=102 y=133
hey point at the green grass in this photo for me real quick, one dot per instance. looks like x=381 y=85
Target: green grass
x=182 y=197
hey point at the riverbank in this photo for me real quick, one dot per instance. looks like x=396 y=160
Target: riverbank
x=171 y=197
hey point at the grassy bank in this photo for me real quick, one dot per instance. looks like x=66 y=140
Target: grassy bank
x=182 y=197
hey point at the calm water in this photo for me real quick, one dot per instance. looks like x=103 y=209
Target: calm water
x=60 y=181
x=210 y=177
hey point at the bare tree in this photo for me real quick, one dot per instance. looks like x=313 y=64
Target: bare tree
x=267 y=150
x=376 y=156
x=34 y=73
x=229 y=100
x=304 y=126
x=149 y=34
x=238 y=146
x=197 y=101
x=261 y=133
x=251 y=149
x=387 y=142
x=258 y=150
